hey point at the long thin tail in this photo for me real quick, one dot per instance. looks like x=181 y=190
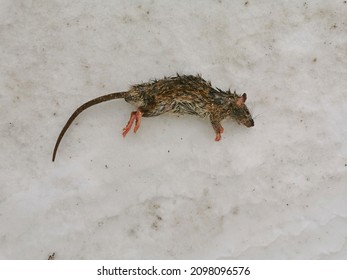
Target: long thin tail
x=80 y=109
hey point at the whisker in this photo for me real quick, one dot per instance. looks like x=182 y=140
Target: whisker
x=258 y=115
x=251 y=107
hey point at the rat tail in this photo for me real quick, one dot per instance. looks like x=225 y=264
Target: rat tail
x=80 y=109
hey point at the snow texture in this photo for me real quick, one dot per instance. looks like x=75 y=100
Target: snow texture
x=274 y=191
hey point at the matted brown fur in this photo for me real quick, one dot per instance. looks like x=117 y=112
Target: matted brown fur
x=181 y=94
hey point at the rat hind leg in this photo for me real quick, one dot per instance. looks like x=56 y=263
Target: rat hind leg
x=150 y=110
x=134 y=116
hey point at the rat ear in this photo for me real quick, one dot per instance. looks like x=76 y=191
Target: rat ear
x=241 y=100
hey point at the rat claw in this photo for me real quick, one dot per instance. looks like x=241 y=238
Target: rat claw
x=219 y=134
x=125 y=130
x=218 y=137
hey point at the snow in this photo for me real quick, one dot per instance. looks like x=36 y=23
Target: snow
x=274 y=191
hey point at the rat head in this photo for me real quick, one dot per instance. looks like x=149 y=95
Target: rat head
x=240 y=111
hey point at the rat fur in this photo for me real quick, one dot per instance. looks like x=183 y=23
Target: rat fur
x=182 y=94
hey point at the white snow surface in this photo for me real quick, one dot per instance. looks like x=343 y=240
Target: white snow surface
x=274 y=191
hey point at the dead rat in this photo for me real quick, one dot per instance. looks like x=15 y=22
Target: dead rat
x=181 y=94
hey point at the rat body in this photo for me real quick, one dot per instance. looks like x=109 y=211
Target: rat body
x=180 y=94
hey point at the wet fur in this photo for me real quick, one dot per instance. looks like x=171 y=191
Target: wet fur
x=182 y=94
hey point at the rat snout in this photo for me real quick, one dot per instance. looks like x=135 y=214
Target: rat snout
x=250 y=123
